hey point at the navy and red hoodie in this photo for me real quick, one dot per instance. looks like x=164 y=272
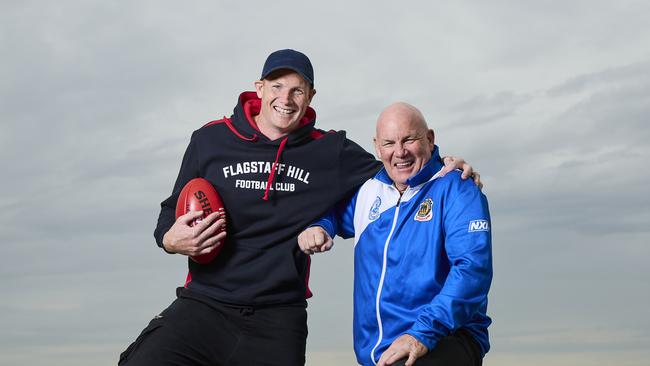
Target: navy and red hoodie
x=261 y=263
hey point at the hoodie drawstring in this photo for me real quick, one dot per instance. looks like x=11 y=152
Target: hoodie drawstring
x=254 y=138
x=233 y=130
x=273 y=169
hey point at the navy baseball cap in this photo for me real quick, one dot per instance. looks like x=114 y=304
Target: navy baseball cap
x=289 y=59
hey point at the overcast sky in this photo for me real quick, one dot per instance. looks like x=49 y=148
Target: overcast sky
x=550 y=101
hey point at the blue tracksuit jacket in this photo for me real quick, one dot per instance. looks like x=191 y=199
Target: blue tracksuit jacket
x=423 y=262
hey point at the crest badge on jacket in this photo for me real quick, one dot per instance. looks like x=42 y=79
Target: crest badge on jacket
x=425 y=212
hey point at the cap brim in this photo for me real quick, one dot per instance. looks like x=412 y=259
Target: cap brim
x=311 y=82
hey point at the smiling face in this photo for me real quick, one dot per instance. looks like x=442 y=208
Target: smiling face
x=403 y=142
x=285 y=98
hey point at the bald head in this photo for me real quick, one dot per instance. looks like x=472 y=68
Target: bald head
x=400 y=112
x=403 y=142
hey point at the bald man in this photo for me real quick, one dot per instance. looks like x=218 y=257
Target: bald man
x=423 y=259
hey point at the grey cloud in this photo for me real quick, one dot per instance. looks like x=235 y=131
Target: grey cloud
x=483 y=109
x=638 y=73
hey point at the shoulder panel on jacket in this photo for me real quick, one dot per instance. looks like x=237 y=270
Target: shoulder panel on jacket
x=374 y=198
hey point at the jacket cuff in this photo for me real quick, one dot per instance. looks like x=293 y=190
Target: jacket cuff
x=327 y=226
x=428 y=342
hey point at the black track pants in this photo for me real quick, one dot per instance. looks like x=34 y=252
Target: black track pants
x=192 y=332
x=457 y=349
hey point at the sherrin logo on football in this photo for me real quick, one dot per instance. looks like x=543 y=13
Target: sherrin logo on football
x=425 y=212
x=478 y=225
x=204 y=201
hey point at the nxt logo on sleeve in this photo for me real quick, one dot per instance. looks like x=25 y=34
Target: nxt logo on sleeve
x=478 y=225
x=425 y=212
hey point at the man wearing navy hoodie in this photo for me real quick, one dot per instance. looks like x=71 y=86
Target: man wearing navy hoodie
x=276 y=173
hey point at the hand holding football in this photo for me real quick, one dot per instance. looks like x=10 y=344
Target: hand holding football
x=200 y=226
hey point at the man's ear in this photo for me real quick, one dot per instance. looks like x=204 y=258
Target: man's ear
x=259 y=84
x=374 y=142
x=432 y=139
x=312 y=92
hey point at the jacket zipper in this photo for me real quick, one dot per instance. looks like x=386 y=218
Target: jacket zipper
x=381 y=281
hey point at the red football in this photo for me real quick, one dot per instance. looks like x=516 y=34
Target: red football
x=199 y=195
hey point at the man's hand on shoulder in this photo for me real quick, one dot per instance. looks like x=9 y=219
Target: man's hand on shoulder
x=314 y=240
x=404 y=346
x=452 y=162
x=195 y=240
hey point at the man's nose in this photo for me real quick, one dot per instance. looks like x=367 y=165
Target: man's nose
x=284 y=95
x=400 y=151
